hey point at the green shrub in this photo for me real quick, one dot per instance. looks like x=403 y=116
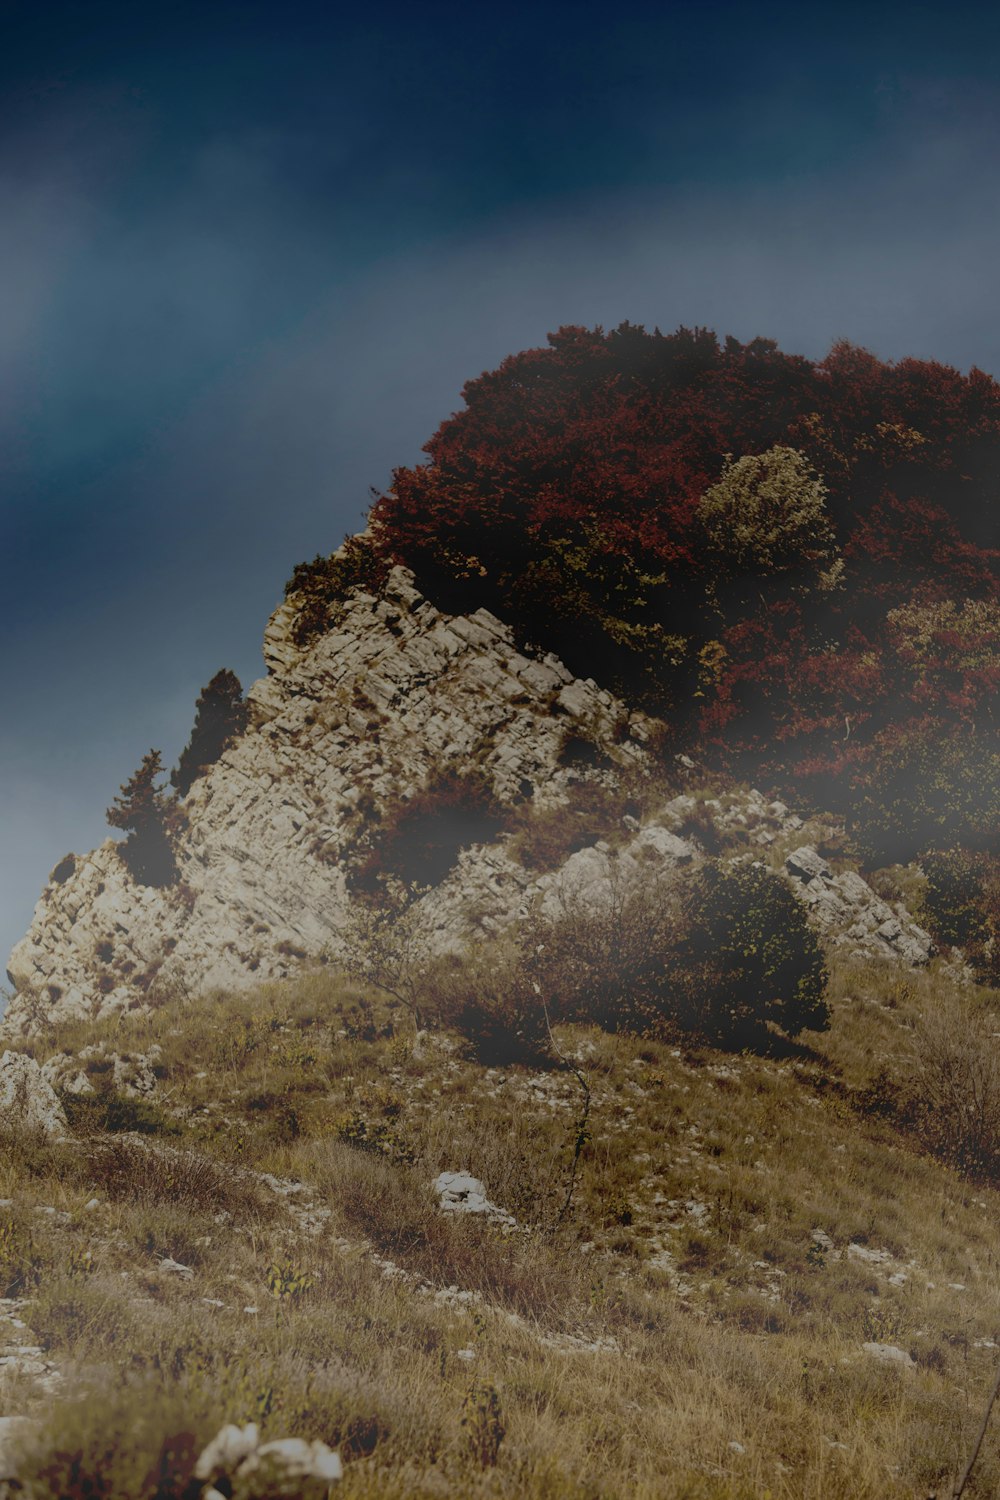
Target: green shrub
x=930 y=785
x=746 y=957
x=722 y=954
x=952 y=1097
x=602 y=956
x=961 y=905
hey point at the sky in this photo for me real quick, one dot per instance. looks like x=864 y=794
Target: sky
x=250 y=253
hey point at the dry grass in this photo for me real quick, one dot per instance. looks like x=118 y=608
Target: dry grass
x=694 y=1327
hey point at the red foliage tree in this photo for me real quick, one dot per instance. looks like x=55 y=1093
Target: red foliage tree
x=565 y=494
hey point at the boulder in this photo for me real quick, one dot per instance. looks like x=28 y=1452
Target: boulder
x=237 y=1459
x=27 y=1099
x=461 y=1193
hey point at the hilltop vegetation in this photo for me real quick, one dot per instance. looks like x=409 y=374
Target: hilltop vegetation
x=794 y=562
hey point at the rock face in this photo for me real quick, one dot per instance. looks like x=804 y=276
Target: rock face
x=847 y=908
x=394 y=692
x=362 y=714
x=27 y=1099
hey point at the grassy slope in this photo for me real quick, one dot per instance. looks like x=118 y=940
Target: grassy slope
x=687 y=1304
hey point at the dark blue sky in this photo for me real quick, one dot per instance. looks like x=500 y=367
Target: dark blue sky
x=250 y=253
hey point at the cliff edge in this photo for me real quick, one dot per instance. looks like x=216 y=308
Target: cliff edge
x=365 y=713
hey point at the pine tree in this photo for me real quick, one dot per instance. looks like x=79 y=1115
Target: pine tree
x=220 y=716
x=143 y=811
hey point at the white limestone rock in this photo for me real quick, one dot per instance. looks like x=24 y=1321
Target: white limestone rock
x=461 y=1193
x=27 y=1098
x=889 y=1354
x=847 y=909
x=358 y=715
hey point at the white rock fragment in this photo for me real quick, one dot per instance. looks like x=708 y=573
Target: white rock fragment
x=460 y=1192
x=227 y=1450
x=236 y=1454
x=866 y=1254
x=889 y=1354
x=174 y=1267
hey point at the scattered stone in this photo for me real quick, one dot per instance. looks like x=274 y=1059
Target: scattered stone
x=870 y=1257
x=889 y=1354
x=459 y=1192
x=236 y=1454
x=174 y=1267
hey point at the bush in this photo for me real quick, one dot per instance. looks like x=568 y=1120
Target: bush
x=747 y=957
x=488 y=994
x=961 y=905
x=602 y=956
x=321 y=586
x=421 y=837
x=953 y=1096
x=930 y=785
x=723 y=954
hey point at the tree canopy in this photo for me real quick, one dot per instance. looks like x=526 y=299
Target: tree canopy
x=795 y=562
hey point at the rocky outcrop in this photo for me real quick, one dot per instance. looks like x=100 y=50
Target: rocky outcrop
x=361 y=715
x=27 y=1099
x=340 y=728
x=850 y=912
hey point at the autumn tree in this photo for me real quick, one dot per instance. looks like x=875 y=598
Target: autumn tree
x=737 y=539
x=220 y=717
x=766 y=519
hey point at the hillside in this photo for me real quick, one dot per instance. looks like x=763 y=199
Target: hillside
x=543 y=1041
x=761 y=1285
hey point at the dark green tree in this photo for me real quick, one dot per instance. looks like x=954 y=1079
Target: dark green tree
x=746 y=956
x=147 y=815
x=220 y=717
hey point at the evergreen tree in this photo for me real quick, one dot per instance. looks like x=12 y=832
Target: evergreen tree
x=143 y=811
x=220 y=717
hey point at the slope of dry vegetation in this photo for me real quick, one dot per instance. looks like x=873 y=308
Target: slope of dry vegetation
x=261 y=1242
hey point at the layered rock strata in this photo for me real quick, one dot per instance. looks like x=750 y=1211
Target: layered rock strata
x=363 y=714
x=393 y=692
